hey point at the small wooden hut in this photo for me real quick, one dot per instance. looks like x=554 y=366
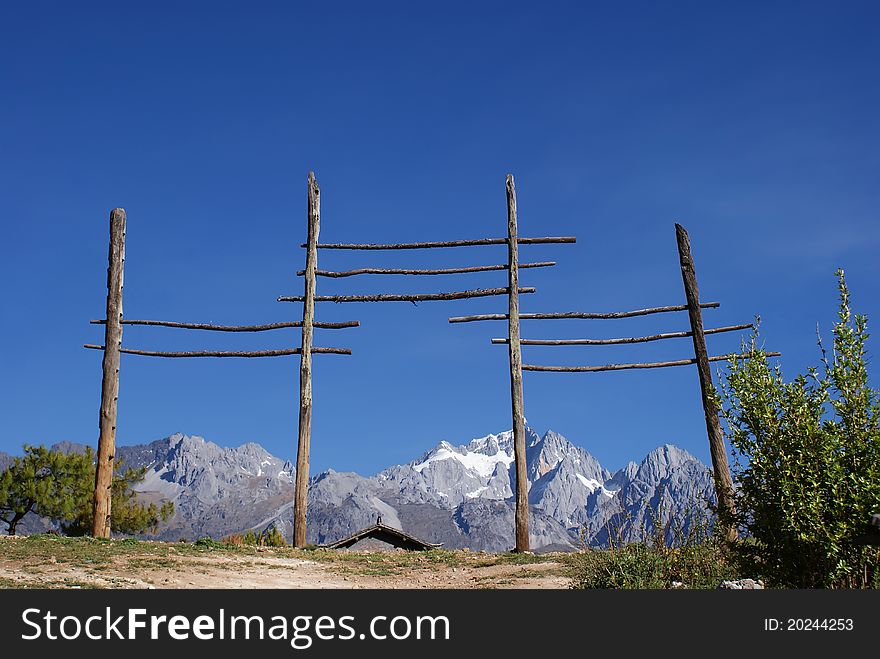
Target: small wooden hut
x=380 y=537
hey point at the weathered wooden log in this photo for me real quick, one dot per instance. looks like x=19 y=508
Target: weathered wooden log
x=110 y=378
x=521 y=515
x=227 y=353
x=622 y=340
x=426 y=297
x=448 y=243
x=441 y=271
x=581 y=315
x=304 y=438
x=233 y=328
x=623 y=367
x=720 y=465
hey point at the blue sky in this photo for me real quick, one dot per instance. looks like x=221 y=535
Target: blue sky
x=753 y=124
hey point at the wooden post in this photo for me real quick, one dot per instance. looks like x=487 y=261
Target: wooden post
x=301 y=492
x=516 y=386
x=720 y=466
x=110 y=379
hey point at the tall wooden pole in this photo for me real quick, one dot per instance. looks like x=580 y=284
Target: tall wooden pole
x=516 y=386
x=301 y=492
x=720 y=465
x=110 y=379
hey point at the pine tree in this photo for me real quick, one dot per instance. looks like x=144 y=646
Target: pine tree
x=47 y=483
x=60 y=486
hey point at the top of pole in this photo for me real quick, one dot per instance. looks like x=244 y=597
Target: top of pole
x=682 y=235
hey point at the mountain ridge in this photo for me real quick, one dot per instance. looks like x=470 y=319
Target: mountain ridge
x=457 y=494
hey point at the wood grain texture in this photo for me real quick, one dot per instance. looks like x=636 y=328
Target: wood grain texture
x=624 y=367
x=439 y=271
x=301 y=486
x=393 y=297
x=232 y=328
x=720 y=465
x=581 y=315
x=226 y=353
x=516 y=386
x=548 y=240
x=110 y=377
x=621 y=340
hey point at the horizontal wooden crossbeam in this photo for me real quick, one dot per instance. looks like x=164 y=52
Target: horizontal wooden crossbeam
x=622 y=340
x=227 y=353
x=623 y=367
x=442 y=271
x=232 y=328
x=582 y=315
x=425 y=297
x=448 y=243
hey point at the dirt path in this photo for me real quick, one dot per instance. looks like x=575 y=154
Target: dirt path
x=84 y=563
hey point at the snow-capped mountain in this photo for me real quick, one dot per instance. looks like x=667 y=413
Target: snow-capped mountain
x=460 y=495
x=449 y=475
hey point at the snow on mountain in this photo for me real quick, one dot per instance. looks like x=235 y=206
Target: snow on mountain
x=460 y=495
x=473 y=457
x=449 y=475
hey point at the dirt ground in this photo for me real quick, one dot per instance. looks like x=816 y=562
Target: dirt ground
x=53 y=562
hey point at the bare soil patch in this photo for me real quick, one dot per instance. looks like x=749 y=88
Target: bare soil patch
x=49 y=561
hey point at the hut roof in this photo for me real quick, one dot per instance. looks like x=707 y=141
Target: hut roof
x=383 y=533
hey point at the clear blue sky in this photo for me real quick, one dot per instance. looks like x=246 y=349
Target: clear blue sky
x=753 y=124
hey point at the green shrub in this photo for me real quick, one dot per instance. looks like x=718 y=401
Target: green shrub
x=677 y=549
x=632 y=566
x=640 y=565
x=807 y=462
x=247 y=539
x=209 y=543
x=272 y=537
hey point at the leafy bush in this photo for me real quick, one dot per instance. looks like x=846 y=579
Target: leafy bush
x=807 y=461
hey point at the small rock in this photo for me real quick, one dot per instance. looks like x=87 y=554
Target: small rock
x=678 y=585
x=741 y=584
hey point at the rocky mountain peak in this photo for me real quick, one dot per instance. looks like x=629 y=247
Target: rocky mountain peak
x=460 y=495
x=545 y=455
x=492 y=444
x=662 y=461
